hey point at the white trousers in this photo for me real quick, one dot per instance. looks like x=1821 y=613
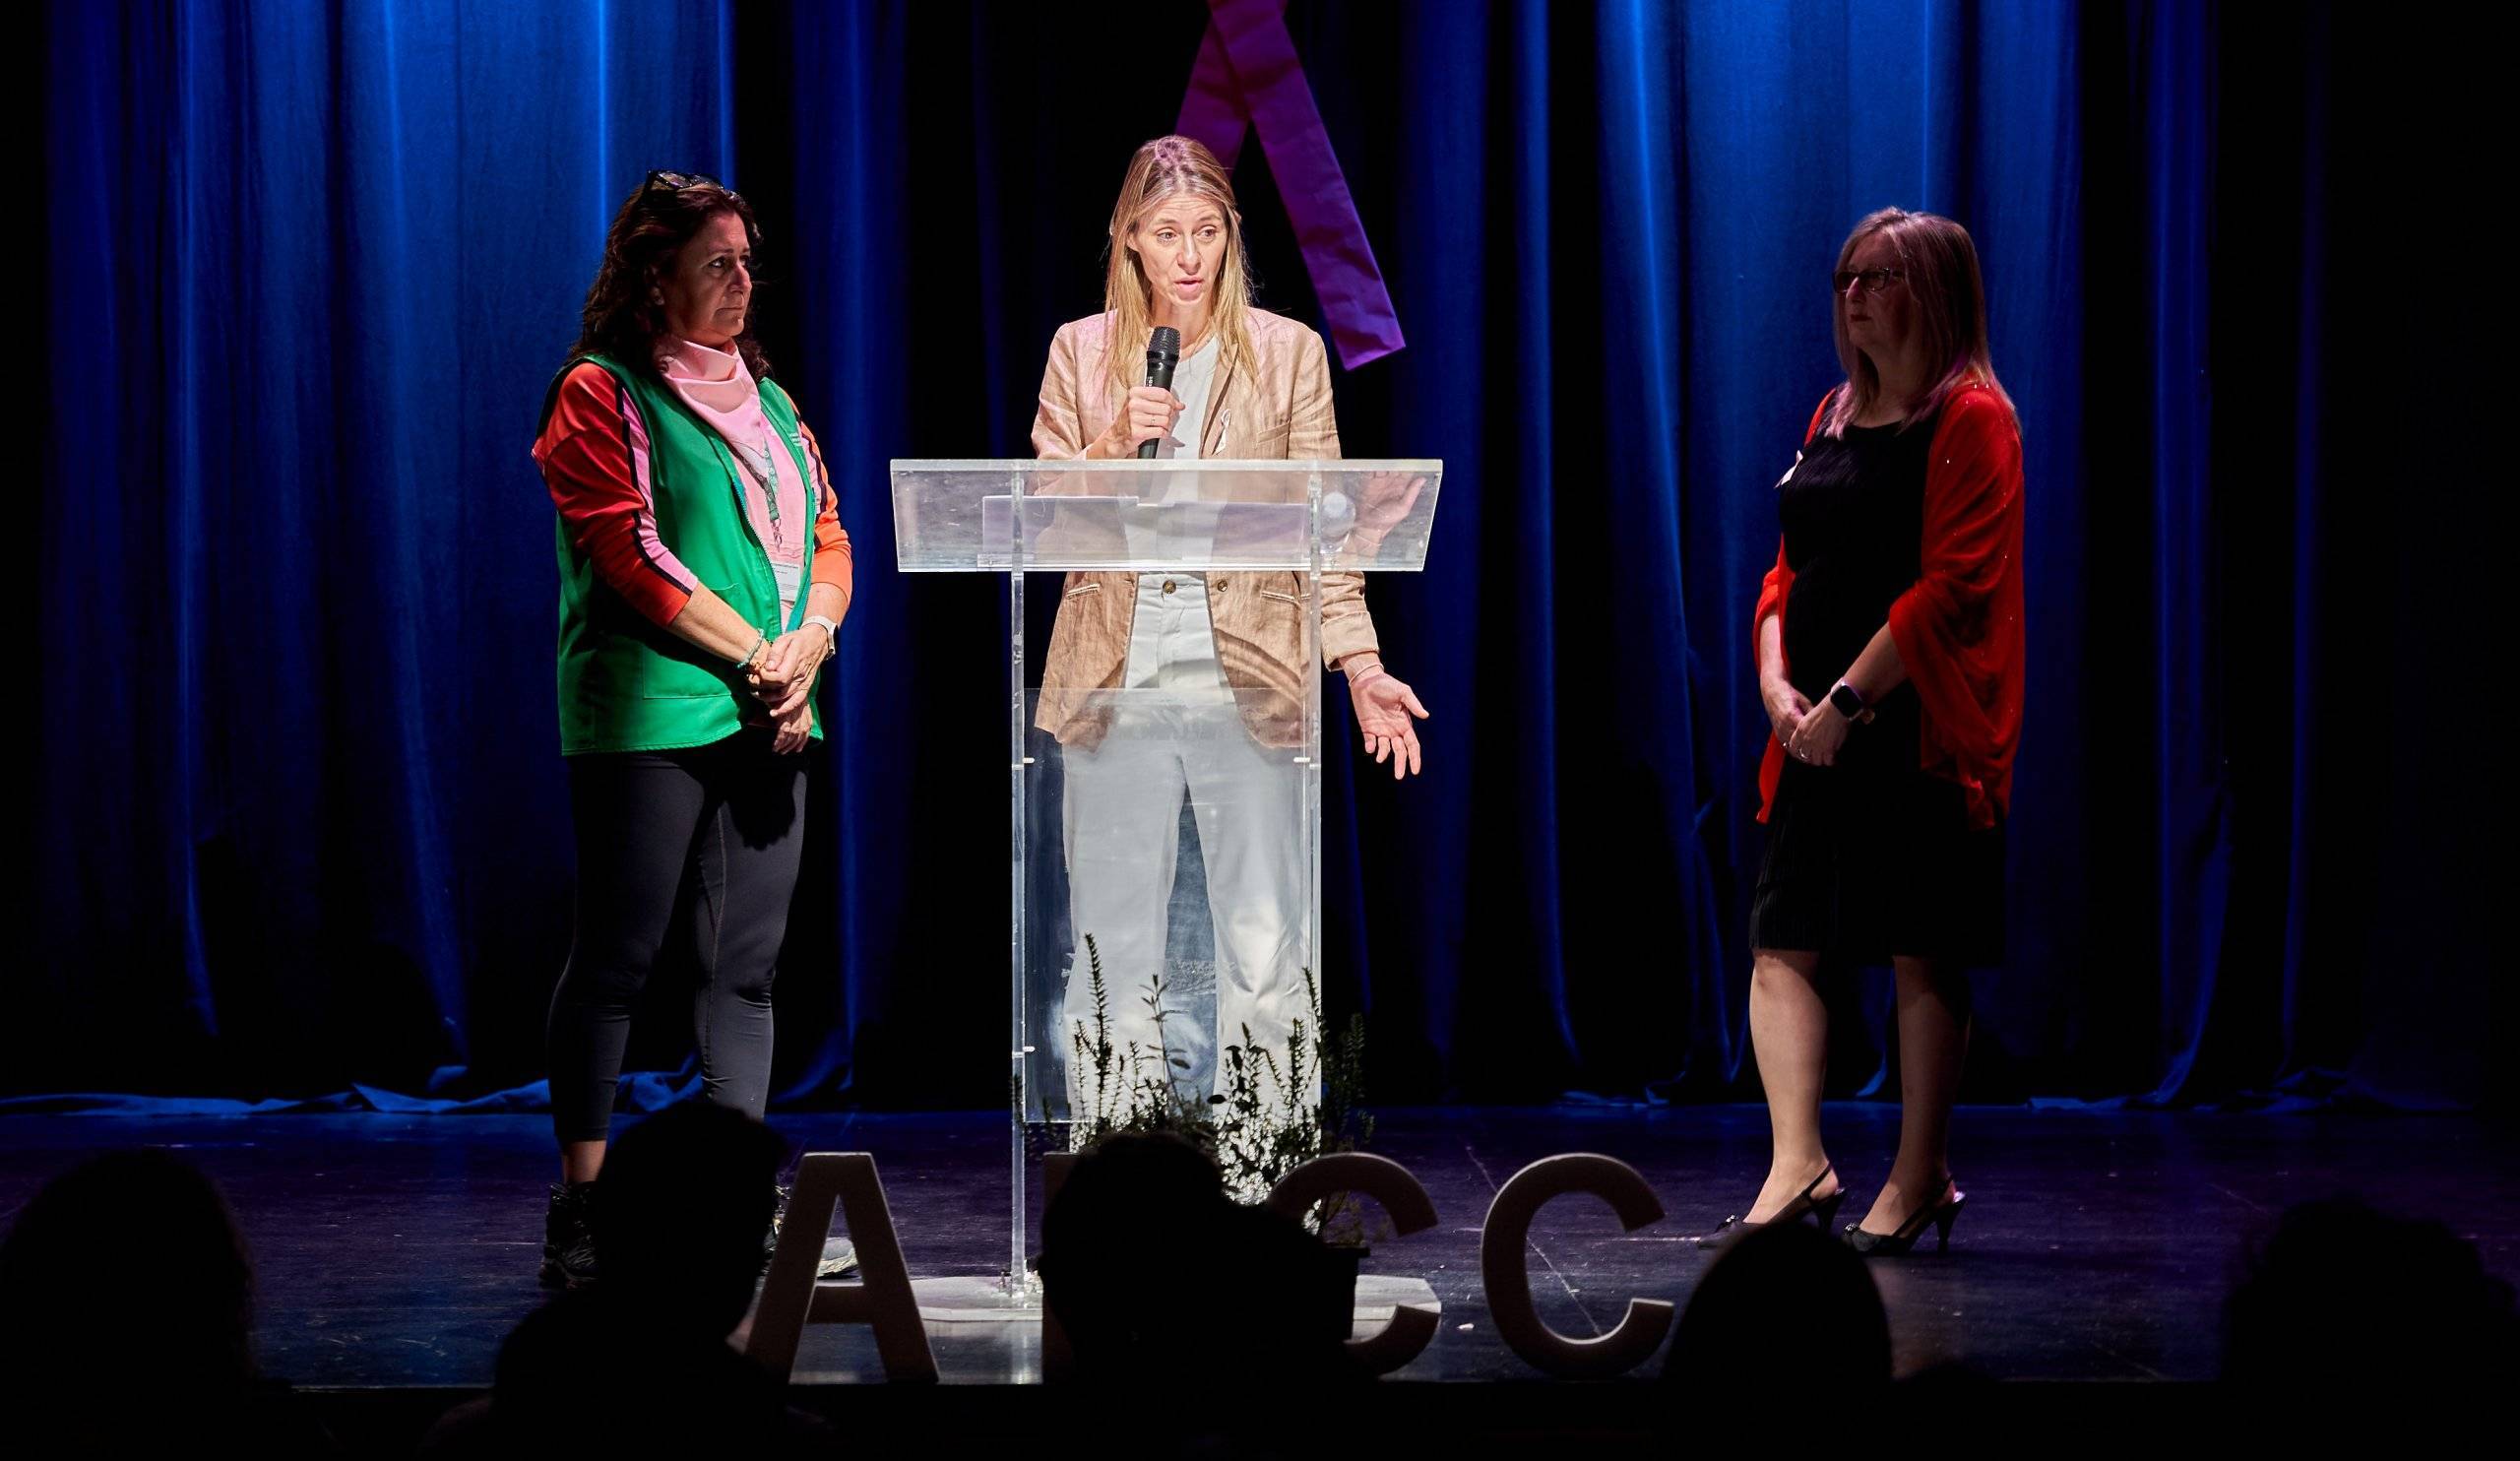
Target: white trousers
x=1176 y=731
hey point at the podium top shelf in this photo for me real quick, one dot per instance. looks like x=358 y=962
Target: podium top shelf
x=996 y=516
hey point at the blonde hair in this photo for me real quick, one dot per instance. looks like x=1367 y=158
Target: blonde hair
x=1940 y=263
x=1166 y=168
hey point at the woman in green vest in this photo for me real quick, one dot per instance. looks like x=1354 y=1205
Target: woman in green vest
x=703 y=578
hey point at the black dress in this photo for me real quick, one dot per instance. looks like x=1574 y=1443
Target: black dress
x=1872 y=857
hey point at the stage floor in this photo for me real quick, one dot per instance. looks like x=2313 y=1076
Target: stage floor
x=397 y=1251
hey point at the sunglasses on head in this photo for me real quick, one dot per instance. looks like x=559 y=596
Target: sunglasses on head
x=675 y=182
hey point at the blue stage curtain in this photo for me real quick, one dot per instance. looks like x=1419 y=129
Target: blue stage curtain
x=298 y=805
x=300 y=815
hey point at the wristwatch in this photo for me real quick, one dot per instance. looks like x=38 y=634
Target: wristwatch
x=1846 y=699
x=831 y=629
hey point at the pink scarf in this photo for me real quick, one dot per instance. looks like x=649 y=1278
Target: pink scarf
x=719 y=389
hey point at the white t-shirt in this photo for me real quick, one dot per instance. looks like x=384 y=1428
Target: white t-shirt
x=1193 y=380
x=1171 y=645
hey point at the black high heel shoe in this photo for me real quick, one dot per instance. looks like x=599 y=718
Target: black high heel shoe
x=1938 y=1214
x=1824 y=1209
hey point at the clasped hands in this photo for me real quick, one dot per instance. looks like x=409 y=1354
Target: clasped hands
x=1810 y=733
x=781 y=678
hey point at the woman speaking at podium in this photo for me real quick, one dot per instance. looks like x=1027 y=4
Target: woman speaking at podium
x=1195 y=652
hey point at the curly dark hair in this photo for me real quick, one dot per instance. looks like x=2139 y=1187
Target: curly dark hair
x=622 y=319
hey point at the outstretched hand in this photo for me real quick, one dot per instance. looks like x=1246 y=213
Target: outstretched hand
x=1387 y=711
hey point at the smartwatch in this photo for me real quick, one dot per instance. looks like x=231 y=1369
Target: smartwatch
x=1846 y=699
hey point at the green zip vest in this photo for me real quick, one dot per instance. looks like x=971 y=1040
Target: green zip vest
x=627 y=684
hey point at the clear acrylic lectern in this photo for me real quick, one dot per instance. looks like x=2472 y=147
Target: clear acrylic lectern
x=1164 y=787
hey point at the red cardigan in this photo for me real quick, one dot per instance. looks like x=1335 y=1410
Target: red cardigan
x=1957 y=627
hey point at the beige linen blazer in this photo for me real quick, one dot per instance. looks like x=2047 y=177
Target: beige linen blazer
x=1272 y=405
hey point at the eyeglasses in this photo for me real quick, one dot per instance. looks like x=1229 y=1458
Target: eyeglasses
x=1875 y=281
x=675 y=182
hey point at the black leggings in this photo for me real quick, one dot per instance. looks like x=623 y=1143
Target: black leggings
x=731 y=818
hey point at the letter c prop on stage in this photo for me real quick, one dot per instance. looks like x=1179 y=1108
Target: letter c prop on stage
x=1405 y=1200
x=1506 y=1271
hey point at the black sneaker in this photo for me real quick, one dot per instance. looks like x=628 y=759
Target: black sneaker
x=839 y=1256
x=777 y=1215
x=568 y=1237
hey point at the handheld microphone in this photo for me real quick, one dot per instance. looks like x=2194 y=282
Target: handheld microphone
x=1163 y=352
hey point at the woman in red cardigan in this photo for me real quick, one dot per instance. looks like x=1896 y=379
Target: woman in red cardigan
x=1890 y=665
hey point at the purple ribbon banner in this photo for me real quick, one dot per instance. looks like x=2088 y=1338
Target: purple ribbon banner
x=1247 y=74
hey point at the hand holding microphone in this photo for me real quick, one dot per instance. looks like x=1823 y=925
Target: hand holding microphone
x=1163 y=352
x=1147 y=417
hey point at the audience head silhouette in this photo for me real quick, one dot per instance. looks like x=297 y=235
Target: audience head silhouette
x=1136 y=1242
x=127 y=1261
x=1784 y=1299
x=686 y=1196
x=640 y=1360
x=2341 y=1300
x=71 y=1290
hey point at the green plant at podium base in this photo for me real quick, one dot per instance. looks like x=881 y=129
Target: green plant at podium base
x=1275 y=1109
